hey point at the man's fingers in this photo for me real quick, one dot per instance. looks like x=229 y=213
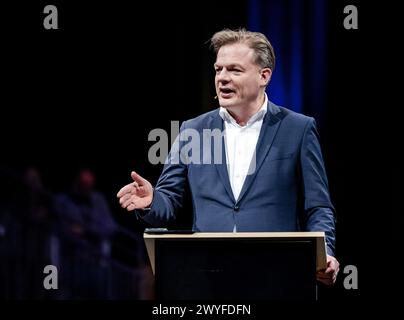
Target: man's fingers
x=326 y=280
x=328 y=276
x=132 y=206
x=326 y=273
x=128 y=202
x=137 y=178
x=332 y=263
x=125 y=198
x=124 y=190
x=324 y=276
x=331 y=270
x=136 y=204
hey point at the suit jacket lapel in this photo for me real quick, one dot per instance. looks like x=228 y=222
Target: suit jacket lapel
x=217 y=123
x=268 y=132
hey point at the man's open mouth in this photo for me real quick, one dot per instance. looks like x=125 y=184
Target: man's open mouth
x=226 y=92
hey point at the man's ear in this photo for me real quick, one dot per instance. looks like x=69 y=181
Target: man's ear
x=266 y=74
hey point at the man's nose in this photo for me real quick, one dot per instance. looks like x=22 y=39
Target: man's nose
x=223 y=76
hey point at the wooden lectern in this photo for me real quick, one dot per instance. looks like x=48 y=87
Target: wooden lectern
x=259 y=265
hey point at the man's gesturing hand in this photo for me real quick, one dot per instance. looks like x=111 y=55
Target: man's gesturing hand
x=136 y=195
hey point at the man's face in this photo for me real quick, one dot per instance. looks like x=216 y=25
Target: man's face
x=238 y=78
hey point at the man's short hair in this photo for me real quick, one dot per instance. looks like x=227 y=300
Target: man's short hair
x=264 y=52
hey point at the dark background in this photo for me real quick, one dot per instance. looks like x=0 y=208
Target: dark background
x=88 y=94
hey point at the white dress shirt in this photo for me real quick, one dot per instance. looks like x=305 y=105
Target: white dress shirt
x=240 y=144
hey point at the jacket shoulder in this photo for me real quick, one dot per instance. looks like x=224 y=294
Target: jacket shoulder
x=295 y=117
x=201 y=120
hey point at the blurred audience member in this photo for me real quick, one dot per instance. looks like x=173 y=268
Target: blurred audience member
x=39 y=199
x=84 y=212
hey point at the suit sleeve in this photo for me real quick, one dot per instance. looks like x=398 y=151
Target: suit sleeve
x=318 y=209
x=169 y=191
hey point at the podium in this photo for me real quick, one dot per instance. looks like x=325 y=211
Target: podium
x=247 y=266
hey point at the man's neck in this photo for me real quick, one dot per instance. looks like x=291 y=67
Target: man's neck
x=242 y=114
